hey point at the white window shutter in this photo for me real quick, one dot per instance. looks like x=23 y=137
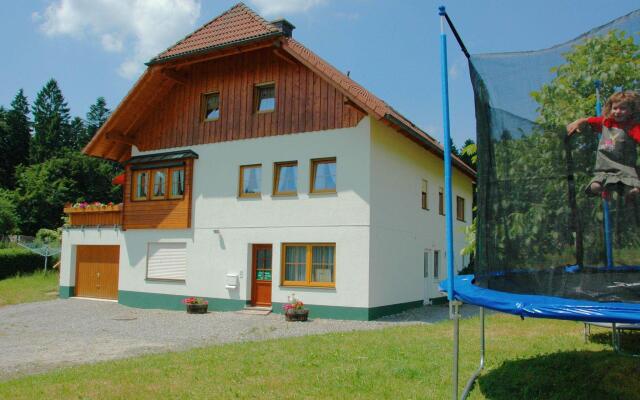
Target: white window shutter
x=167 y=261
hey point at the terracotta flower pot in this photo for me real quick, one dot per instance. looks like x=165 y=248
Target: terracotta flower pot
x=296 y=315
x=197 y=308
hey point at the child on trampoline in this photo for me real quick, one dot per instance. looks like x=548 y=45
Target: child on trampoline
x=616 y=156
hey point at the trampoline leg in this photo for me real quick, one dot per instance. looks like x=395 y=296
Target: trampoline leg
x=473 y=378
x=454 y=314
x=615 y=338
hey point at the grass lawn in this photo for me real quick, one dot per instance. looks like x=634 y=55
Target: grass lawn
x=28 y=288
x=531 y=359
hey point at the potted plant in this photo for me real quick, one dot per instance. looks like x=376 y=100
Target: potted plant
x=196 y=305
x=294 y=310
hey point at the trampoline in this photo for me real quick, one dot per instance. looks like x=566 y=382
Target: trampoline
x=546 y=246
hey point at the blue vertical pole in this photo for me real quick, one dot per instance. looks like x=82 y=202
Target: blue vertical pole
x=453 y=306
x=447 y=155
x=605 y=202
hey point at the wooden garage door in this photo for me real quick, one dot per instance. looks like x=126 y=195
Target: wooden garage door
x=97 y=271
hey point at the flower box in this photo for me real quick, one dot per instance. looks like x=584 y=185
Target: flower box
x=296 y=315
x=197 y=308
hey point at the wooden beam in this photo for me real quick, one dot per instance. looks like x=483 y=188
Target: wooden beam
x=286 y=58
x=174 y=75
x=351 y=103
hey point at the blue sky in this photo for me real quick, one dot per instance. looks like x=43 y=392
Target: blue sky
x=97 y=47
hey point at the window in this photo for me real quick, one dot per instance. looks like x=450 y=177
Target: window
x=460 y=208
x=285 y=178
x=441 y=201
x=167 y=261
x=323 y=175
x=425 y=263
x=211 y=106
x=265 y=97
x=250 y=178
x=436 y=263
x=177 y=183
x=308 y=264
x=140 y=185
x=159 y=178
x=423 y=198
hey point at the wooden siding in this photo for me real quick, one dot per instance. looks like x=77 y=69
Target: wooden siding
x=304 y=102
x=110 y=215
x=97 y=271
x=158 y=214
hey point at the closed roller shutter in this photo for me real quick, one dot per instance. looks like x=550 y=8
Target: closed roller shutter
x=167 y=261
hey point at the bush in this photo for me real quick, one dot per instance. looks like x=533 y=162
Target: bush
x=47 y=236
x=15 y=260
x=8 y=217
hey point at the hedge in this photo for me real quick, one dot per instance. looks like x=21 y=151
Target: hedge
x=14 y=260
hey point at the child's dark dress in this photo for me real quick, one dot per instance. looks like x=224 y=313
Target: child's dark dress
x=616 y=156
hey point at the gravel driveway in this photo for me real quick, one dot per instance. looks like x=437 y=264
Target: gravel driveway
x=37 y=337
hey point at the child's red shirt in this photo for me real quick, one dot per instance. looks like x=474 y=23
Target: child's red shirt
x=632 y=128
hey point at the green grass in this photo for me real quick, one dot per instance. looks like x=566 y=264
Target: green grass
x=531 y=359
x=37 y=286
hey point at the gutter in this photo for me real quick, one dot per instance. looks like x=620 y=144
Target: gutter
x=162 y=60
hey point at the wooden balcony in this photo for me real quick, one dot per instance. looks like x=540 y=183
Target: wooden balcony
x=95 y=215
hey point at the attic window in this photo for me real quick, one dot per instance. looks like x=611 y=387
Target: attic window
x=265 y=97
x=211 y=106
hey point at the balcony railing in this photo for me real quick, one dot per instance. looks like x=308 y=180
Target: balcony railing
x=95 y=215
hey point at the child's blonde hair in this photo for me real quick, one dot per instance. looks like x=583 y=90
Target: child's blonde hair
x=628 y=97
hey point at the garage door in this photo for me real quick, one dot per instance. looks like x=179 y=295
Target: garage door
x=97 y=271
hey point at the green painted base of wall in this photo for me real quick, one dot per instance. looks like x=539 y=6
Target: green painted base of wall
x=173 y=302
x=353 y=313
x=437 y=301
x=66 y=291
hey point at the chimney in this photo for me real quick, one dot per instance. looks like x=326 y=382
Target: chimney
x=284 y=26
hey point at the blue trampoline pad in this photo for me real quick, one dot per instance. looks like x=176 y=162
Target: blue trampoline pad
x=536 y=306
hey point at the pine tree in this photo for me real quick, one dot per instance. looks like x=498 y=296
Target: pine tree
x=4 y=134
x=97 y=115
x=50 y=123
x=77 y=132
x=18 y=138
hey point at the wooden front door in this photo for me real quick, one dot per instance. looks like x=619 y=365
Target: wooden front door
x=97 y=271
x=261 y=275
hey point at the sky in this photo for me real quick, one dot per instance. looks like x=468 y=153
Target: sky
x=98 y=47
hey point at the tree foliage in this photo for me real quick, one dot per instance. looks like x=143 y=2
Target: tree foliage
x=14 y=146
x=8 y=216
x=51 y=123
x=43 y=189
x=96 y=117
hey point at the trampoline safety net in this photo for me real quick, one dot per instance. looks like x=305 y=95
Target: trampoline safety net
x=540 y=231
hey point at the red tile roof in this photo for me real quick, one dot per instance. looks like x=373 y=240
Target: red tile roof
x=239 y=24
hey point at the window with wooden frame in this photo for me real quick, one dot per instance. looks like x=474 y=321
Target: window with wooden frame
x=265 y=97
x=308 y=264
x=285 y=178
x=441 y=201
x=158 y=184
x=424 y=199
x=140 y=185
x=176 y=183
x=460 y=208
x=323 y=175
x=250 y=180
x=211 y=106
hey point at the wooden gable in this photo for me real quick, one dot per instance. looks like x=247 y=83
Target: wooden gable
x=304 y=102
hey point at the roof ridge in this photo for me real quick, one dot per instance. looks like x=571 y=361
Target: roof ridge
x=258 y=17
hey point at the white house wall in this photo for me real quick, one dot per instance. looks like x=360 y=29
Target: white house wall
x=400 y=229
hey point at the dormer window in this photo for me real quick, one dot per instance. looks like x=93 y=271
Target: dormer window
x=211 y=106
x=265 y=97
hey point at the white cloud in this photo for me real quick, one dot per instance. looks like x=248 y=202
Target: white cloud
x=139 y=28
x=278 y=8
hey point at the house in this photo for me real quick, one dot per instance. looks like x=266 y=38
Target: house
x=254 y=169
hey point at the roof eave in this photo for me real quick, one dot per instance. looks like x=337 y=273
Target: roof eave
x=464 y=168
x=242 y=42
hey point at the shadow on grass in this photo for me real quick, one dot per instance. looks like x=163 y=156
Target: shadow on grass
x=567 y=375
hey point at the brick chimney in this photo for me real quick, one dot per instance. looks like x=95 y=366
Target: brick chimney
x=285 y=26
